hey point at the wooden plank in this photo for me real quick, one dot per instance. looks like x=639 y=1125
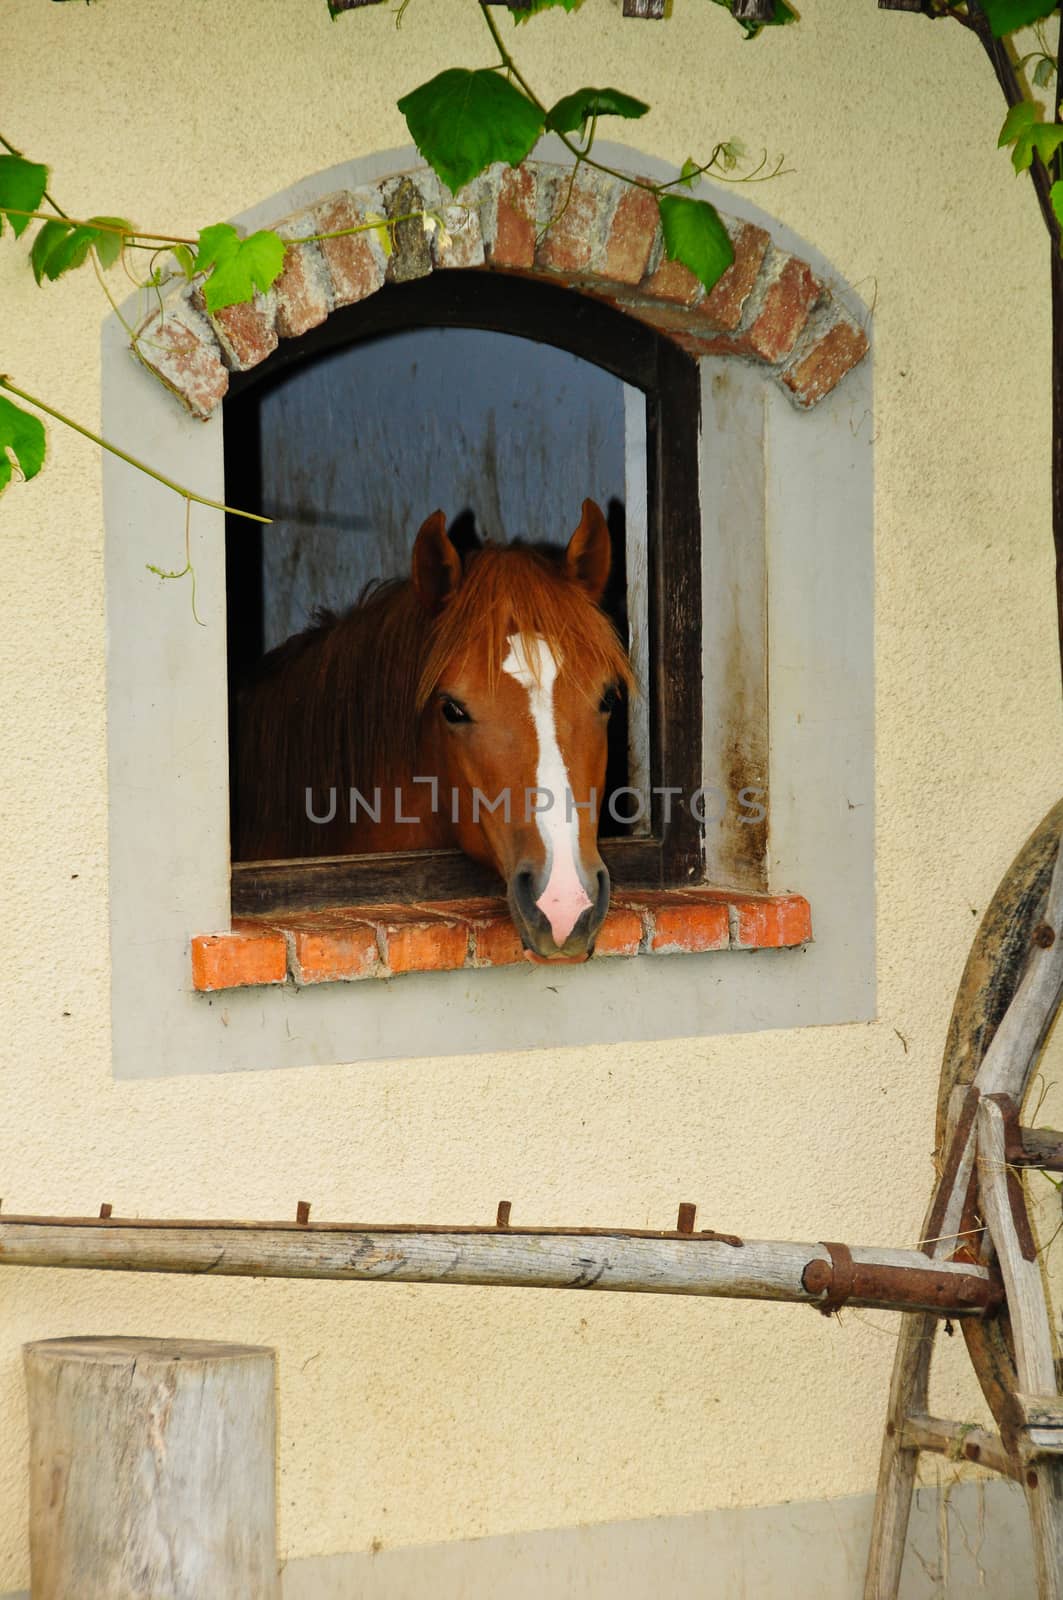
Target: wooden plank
x=1004 y=1208
x=407 y=876
x=673 y=426
x=910 y=1381
x=652 y=10
x=1040 y=1147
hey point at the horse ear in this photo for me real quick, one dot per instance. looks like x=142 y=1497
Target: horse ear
x=436 y=569
x=590 y=552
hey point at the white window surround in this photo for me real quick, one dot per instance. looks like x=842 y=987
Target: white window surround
x=787 y=508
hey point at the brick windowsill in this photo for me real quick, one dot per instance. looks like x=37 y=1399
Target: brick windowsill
x=308 y=947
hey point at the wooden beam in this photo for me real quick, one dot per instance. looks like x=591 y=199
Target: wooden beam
x=721 y=1266
x=959 y=1441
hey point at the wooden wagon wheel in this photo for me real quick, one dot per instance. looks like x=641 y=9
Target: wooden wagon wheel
x=1007 y=1000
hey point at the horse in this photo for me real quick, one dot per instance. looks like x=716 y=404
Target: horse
x=477 y=692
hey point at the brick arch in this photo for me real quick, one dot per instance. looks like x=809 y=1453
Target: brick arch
x=769 y=308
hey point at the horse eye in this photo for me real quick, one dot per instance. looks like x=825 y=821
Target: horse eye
x=454 y=712
x=609 y=699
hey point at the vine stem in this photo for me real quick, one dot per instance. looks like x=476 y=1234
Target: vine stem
x=100 y=227
x=123 y=455
x=511 y=67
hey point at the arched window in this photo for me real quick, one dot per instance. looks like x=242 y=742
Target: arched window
x=747 y=544
x=351 y=367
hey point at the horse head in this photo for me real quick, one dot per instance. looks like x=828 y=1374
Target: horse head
x=521 y=672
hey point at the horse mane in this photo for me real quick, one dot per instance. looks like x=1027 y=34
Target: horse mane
x=520 y=588
x=340 y=704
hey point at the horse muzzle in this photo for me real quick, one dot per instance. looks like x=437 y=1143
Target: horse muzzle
x=558 y=928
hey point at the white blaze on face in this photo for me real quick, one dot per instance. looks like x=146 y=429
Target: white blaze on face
x=564 y=899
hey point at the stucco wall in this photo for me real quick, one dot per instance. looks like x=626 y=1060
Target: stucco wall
x=412 y=1415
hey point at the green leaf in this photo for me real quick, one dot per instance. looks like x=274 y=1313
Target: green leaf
x=689 y=173
x=1044 y=72
x=573 y=110
x=61 y=246
x=21 y=436
x=1028 y=134
x=533 y=7
x=1055 y=194
x=1006 y=15
x=1018 y=118
x=462 y=121
x=237 y=266
x=183 y=257
x=45 y=242
x=695 y=236
x=109 y=244
x=22 y=186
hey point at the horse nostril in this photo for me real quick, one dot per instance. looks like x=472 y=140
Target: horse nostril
x=523 y=884
x=601 y=898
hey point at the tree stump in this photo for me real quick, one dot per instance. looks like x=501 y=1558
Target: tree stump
x=151 y=1470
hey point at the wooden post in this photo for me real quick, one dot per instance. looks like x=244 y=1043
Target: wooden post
x=151 y=1470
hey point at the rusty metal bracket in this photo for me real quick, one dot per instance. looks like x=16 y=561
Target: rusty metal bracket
x=841 y=1279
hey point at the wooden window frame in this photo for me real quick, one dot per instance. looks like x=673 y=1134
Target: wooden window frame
x=672 y=854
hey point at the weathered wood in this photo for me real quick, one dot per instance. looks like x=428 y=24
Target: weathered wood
x=995 y=970
x=959 y=1441
x=662 y=1264
x=650 y=9
x=753 y=10
x=909 y=1391
x=1005 y=1210
x=151 y=1470
x=997 y=959
x=899 y=1458
x=1039 y=1147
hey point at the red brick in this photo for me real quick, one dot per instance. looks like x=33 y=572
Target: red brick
x=674 y=282
x=787 y=304
x=328 y=949
x=461 y=243
x=356 y=262
x=413 y=939
x=689 y=925
x=496 y=942
x=247 y=333
x=773 y=922
x=632 y=235
x=515 y=225
x=248 y=955
x=620 y=934
x=567 y=242
x=303 y=291
x=725 y=302
x=816 y=371
x=180 y=347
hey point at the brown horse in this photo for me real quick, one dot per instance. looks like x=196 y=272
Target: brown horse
x=466 y=705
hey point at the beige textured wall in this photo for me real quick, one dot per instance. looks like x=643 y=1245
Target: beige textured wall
x=411 y=1414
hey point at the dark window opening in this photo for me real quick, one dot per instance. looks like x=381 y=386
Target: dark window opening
x=350 y=436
